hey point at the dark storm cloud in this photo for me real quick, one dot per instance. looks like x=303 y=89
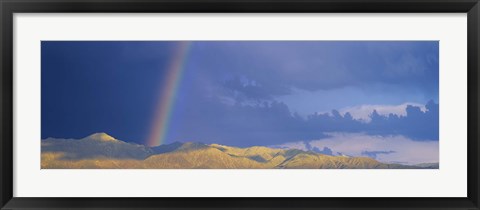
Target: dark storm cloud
x=270 y=123
x=320 y=65
x=230 y=91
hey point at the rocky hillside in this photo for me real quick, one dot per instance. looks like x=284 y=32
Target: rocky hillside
x=103 y=151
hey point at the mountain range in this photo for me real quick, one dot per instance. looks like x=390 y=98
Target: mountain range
x=102 y=151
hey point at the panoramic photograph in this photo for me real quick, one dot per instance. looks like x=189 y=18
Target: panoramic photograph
x=240 y=105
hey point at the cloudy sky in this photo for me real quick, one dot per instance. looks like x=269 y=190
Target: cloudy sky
x=242 y=93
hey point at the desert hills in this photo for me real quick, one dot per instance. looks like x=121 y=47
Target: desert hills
x=101 y=151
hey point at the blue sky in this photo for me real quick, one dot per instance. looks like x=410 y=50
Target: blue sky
x=242 y=93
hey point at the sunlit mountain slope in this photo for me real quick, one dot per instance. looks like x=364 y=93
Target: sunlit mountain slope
x=103 y=151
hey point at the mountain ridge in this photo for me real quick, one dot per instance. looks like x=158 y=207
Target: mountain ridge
x=101 y=150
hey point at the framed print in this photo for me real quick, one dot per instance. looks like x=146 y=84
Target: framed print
x=255 y=120
x=239 y=105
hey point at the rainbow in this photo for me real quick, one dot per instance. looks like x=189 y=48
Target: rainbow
x=167 y=95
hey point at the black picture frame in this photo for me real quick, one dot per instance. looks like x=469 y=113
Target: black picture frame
x=9 y=7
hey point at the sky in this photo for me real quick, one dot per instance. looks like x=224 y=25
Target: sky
x=242 y=93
